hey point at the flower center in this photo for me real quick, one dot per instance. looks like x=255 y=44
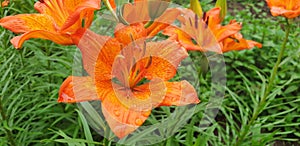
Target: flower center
x=138 y=72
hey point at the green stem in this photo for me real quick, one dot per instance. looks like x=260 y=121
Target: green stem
x=262 y=102
x=275 y=69
x=1 y=10
x=8 y=131
x=148 y=24
x=106 y=2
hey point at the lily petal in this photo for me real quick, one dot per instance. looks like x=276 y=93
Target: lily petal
x=225 y=31
x=58 y=38
x=150 y=60
x=287 y=8
x=121 y=118
x=166 y=57
x=150 y=95
x=126 y=111
x=5 y=3
x=165 y=20
x=54 y=8
x=198 y=30
x=27 y=22
x=68 y=15
x=112 y=3
x=278 y=11
x=213 y=16
x=183 y=38
x=164 y=93
x=137 y=12
x=77 y=89
x=90 y=45
x=84 y=11
x=105 y=60
x=180 y=94
x=237 y=42
x=128 y=34
x=252 y=44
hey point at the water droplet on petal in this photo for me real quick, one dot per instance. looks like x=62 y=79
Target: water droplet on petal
x=146 y=114
x=138 y=122
x=183 y=85
x=117 y=113
x=174 y=99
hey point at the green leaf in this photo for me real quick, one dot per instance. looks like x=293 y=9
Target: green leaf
x=86 y=127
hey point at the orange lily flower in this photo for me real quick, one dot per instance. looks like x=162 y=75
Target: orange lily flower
x=194 y=28
x=228 y=36
x=139 y=12
x=57 y=21
x=5 y=3
x=237 y=42
x=112 y=3
x=130 y=81
x=286 y=8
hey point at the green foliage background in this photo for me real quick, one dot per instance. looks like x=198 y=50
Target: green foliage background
x=30 y=79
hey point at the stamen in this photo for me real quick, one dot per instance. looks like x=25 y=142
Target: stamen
x=190 y=21
x=120 y=56
x=204 y=16
x=196 y=20
x=83 y=23
x=206 y=22
x=149 y=62
x=132 y=39
x=144 y=49
x=134 y=66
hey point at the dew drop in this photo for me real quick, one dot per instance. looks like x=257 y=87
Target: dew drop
x=117 y=113
x=138 y=122
x=174 y=99
x=179 y=65
x=146 y=114
x=183 y=85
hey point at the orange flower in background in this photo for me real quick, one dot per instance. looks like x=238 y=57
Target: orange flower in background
x=130 y=81
x=58 y=19
x=195 y=28
x=286 y=8
x=142 y=11
x=212 y=19
x=112 y=3
x=193 y=34
x=237 y=43
x=5 y=3
x=228 y=36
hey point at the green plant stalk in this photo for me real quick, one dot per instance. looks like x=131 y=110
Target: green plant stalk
x=1 y=10
x=148 y=24
x=275 y=69
x=8 y=132
x=262 y=102
x=107 y=4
